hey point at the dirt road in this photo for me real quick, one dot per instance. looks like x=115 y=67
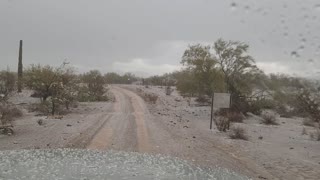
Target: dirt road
x=126 y=127
x=132 y=128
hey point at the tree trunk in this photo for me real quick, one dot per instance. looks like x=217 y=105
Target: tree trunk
x=53 y=108
x=20 y=68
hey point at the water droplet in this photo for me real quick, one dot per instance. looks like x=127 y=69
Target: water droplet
x=247 y=8
x=294 y=54
x=301 y=48
x=317 y=7
x=233 y=6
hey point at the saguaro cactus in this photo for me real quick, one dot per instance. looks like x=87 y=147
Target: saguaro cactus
x=20 y=67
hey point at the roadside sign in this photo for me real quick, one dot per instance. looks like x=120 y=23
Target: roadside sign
x=221 y=100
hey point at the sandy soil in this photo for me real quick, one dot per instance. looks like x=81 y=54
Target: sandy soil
x=171 y=127
x=282 y=153
x=73 y=130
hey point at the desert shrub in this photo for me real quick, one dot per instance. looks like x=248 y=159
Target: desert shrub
x=221 y=112
x=151 y=98
x=269 y=119
x=308 y=105
x=45 y=108
x=284 y=112
x=308 y=122
x=304 y=131
x=16 y=112
x=147 y=97
x=202 y=99
x=57 y=84
x=9 y=113
x=238 y=133
x=257 y=106
x=7 y=82
x=42 y=107
x=315 y=135
x=235 y=117
x=222 y=123
x=93 y=88
x=84 y=95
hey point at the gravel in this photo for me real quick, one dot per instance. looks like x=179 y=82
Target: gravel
x=87 y=164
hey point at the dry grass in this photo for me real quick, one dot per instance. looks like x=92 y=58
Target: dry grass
x=238 y=133
x=9 y=113
x=222 y=123
x=150 y=98
x=304 y=131
x=315 y=135
x=235 y=117
x=308 y=122
x=269 y=119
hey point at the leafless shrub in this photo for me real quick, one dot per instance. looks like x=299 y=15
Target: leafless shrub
x=315 y=135
x=308 y=122
x=203 y=100
x=151 y=98
x=304 y=131
x=235 y=117
x=269 y=119
x=42 y=108
x=238 y=133
x=222 y=123
x=9 y=113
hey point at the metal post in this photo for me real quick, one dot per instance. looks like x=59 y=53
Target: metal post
x=211 y=119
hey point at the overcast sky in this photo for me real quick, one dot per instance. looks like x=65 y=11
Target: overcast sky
x=148 y=37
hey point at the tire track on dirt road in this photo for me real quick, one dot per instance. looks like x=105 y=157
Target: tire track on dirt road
x=126 y=128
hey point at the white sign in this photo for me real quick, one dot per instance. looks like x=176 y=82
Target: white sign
x=221 y=100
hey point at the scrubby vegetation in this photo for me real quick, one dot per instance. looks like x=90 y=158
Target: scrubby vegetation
x=55 y=86
x=222 y=123
x=150 y=98
x=8 y=112
x=269 y=119
x=7 y=83
x=315 y=135
x=59 y=87
x=238 y=133
x=226 y=66
x=114 y=78
x=92 y=87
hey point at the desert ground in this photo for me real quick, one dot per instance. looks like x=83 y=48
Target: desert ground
x=170 y=127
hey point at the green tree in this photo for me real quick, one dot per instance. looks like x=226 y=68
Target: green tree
x=186 y=83
x=94 y=86
x=238 y=69
x=56 y=83
x=199 y=60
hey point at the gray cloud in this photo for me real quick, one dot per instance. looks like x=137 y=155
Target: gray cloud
x=113 y=35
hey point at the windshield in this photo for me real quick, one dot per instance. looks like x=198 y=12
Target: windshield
x=228 y=88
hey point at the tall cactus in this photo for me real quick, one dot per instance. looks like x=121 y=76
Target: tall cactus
x=20 y=67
